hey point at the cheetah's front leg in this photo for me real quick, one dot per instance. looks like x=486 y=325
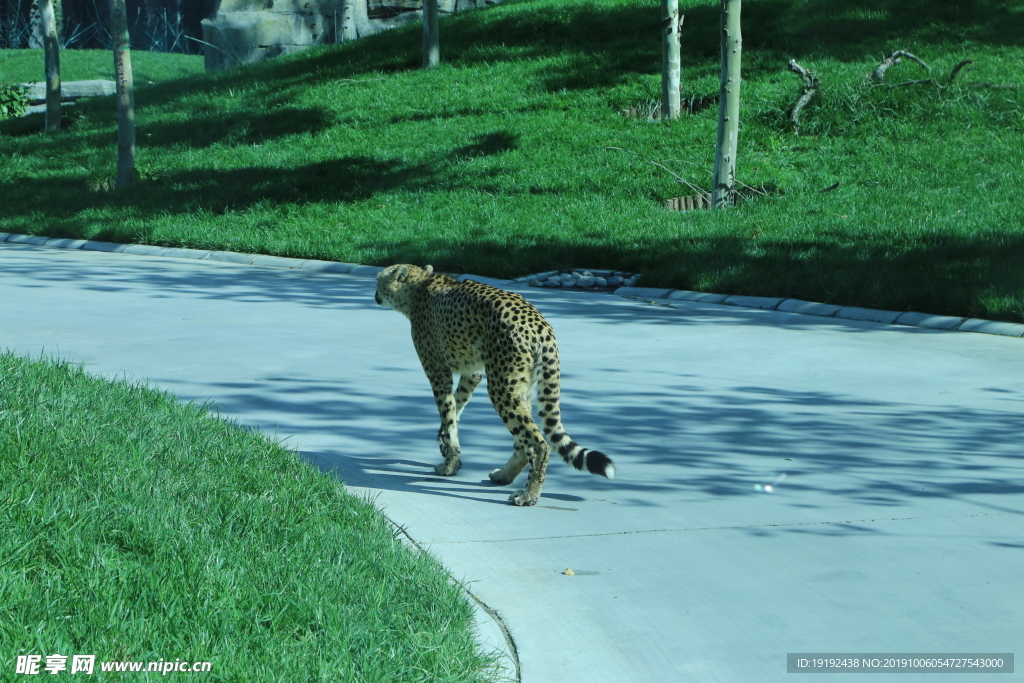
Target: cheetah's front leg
x=448 y=435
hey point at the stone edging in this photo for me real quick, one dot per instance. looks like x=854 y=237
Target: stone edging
x=199 y=254
x=908 y=318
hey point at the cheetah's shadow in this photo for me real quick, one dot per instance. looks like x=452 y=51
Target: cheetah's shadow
x=415 y=476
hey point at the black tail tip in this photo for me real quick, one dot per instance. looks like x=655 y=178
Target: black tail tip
x=601 y=464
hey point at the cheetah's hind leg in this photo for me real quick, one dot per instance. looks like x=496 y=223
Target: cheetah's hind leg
x=503 y=476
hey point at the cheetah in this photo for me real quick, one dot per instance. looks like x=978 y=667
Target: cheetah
x=470 y=329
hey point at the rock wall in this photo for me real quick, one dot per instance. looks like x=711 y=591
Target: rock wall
x=246 y=31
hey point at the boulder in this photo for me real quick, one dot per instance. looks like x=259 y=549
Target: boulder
x=246 y=31
x=70 y=90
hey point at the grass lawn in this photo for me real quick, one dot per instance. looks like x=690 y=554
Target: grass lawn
x=137 y=528
x=496 y=163
x=26 y=66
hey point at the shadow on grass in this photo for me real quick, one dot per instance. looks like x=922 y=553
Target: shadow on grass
x=975 y=275
x=232 y=126
x=239 y=127
x=487 y=144
x=970 y=274
x=599 y=46
x=347 y=179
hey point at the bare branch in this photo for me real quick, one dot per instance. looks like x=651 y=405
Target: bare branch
x=922 y=82
x=762 y=192
x=684 y=181
x=811 y=85
x=350 y=81
x=684 y=161
x=906 y=54
x=956 y=69
x=894 y=59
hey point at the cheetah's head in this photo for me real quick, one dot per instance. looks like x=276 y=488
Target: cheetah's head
x=395 y=284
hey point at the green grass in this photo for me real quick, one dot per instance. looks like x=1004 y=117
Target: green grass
x=496 y=162
x=138 y=528
x=26 y=66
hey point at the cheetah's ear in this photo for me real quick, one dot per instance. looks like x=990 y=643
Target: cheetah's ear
x=401 y=272
x=430 y=270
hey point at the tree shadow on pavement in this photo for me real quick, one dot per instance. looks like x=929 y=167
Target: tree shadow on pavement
x=672 y=446
x=676 y=438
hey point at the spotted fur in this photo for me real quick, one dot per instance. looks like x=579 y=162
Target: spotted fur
x=469 y=329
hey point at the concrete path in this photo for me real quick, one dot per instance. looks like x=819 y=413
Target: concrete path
x=897 y=528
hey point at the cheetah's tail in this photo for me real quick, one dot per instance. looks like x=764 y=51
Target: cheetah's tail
x=582 y=458
x=547 y=378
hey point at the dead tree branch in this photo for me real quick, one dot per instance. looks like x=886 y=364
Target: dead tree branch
x=956 y=70
x=894 y=59
x=811 y=85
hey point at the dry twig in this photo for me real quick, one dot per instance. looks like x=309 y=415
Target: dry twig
x=701 y=199
x=956 y=70
x=811 y=85
x=655 y=163
x=763 y=193
x=350 y=81
x=894 y=59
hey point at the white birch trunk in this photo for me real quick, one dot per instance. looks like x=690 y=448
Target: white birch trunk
x=36 y=29
x=348 y=20
x=671 y=23
x=728 y=107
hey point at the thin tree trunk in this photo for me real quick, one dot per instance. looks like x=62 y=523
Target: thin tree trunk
x=431 y=39
x=348 y=20
x=728 y=107
x=671 y=25
x=125 y=95
x=51 y=60
x=36 y=28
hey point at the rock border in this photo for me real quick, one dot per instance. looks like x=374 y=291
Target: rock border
x=70 y=92
x=579 y=278
x=905 y=318
x=787 y=305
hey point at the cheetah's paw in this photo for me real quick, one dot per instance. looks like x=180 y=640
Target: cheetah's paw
x=499 y=480
x=521 y=499
x=447 y=469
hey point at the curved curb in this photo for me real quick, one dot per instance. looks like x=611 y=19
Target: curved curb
x=198 y=254
x=489 y=630
x=906 y=318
